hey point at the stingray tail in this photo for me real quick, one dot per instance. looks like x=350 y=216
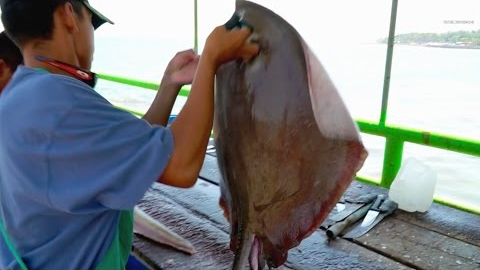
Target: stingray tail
x=244 y=246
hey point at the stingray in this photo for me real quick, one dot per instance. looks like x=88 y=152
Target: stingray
x=287 y=146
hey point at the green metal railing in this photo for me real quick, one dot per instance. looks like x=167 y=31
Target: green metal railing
x=395 y=136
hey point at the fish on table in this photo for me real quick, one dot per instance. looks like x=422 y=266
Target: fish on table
x=151 y=228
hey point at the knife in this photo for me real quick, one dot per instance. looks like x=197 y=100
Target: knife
x=373 y=212
x=387 y=208
x=350 y=206
x=337 y=228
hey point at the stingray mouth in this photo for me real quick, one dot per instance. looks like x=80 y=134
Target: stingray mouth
x=258 y=258
x=255 y=258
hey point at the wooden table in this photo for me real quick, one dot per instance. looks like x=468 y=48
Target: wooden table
x=441 y=238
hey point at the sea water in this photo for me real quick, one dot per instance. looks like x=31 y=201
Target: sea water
x=432 y=89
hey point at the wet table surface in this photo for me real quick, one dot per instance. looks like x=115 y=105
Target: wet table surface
x=441 y=238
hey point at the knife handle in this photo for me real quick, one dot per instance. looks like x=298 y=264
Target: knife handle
x=367 y=198
x=339 y=227
x=378 y=201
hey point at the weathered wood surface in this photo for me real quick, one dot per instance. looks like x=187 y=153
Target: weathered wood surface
x=441 y=219
x=211 y=242
x=430 y=240
x=195 y=214
x=419 y=247
x=441 y=238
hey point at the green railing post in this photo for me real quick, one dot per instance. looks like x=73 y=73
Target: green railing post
x=388 y=65
x=195 y=26
x=392 y=160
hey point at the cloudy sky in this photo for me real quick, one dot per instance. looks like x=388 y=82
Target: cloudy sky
x=365 y=20
x=324 y=24
x=341 y=20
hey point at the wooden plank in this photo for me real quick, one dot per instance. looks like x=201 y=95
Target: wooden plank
x=447 y=221
x=212 y=152
x=316 y=252
x=211 y=243
x=202 y=199
x=210 y=171
x=201 y=202
x=439 y=218
x=420 y=247
x=441 y=238
x=197 y=219
x=454 y=227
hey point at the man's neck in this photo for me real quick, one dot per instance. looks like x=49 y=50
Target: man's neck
x=46 y=48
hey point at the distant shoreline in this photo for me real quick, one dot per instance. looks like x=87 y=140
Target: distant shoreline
x=442 y=45
x=449 y=40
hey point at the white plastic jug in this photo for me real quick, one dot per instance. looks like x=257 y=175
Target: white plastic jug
x=414 y=186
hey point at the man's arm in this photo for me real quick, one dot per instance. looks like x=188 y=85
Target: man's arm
x=162 y=105
x=191 y=129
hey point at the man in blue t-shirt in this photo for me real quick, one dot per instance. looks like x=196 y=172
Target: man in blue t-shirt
x=72 y=166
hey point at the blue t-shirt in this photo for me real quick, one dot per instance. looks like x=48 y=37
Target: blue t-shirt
x=69 y=162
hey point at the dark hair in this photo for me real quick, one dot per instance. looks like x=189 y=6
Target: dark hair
x=9 y=52
x=25 y=20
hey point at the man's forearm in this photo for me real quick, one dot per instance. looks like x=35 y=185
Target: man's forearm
x=192 y=128
x=161 y=108
x=196 y=117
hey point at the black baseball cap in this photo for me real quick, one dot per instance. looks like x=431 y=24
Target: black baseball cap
x=97 y=18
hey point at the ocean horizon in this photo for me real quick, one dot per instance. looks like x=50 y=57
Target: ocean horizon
x=432 y=89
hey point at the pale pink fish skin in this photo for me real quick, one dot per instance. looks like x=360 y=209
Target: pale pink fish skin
x=151 y=228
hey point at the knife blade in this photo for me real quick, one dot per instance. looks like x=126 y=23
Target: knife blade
x=373 y=212
x=387 y=207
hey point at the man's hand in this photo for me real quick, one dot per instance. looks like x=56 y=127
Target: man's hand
x=181 y=69
x=223 y=45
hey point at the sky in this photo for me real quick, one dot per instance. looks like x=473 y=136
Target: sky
x=340 y=20
x=344 y=20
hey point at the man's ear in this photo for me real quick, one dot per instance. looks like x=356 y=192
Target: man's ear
x=66 y=15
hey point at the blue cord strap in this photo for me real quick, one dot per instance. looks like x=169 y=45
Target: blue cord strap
x=11 y=247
